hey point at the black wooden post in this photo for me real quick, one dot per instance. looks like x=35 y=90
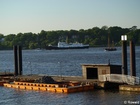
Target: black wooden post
x=124 y=55
x=19 y=60
x=132 y=59
x=15 y=60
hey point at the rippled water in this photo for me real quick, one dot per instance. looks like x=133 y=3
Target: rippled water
x=65 y=62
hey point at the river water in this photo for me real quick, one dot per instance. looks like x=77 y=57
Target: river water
x=65 y=62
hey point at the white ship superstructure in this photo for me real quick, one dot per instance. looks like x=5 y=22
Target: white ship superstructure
x=64 y=45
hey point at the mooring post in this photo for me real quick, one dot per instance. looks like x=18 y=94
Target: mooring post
x=15 y=60
x=132 y=59
x=19 y=60
x=124 y=54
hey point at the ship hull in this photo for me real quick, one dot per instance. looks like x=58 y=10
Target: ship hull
x=63 y=48
x=110 y=49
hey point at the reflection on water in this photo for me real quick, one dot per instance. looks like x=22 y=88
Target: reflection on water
x=97 y=97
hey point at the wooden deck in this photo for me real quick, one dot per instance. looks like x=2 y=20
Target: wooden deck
x=130 y=88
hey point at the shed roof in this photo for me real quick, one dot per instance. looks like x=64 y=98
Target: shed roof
x=100 y=65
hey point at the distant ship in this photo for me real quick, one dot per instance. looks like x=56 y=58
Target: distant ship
x=110 y=47
x=64 y=45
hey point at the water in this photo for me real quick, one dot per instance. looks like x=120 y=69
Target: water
x=65 y=62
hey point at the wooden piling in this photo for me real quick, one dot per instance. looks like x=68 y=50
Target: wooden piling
x=19 y=60
x=132 y=59
x=124 y=58
x=15 y=60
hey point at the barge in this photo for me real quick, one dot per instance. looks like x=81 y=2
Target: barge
x=60 y=88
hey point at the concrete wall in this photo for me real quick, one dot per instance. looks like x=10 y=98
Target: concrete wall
x=102 y=70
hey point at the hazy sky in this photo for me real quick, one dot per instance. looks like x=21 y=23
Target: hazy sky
x=36 y=15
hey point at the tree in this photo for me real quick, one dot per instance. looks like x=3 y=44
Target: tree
x=33 y=45
x=133 y=28
x=95 y=37
x=42 y=39
x=104 y=28
x=135 y=36
x=8 y=41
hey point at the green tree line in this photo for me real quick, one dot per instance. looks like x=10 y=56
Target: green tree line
x=95 y=37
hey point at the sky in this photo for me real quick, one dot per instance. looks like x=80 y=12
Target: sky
x=35 y=15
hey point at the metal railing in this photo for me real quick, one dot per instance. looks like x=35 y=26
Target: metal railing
x=119 y=78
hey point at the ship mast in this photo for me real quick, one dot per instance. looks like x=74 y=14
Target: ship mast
x=108 y=40
x=67 y=40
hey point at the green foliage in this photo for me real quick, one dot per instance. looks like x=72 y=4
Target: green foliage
x=94 y=37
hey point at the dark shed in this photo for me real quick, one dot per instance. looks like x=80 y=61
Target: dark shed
x=92 y=71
